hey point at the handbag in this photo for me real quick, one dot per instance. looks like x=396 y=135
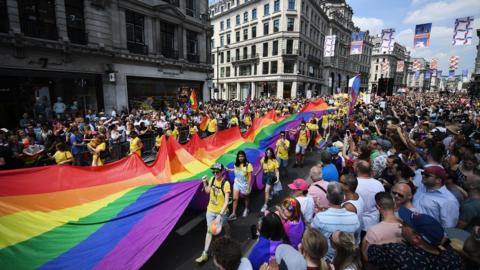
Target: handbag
x=277 y=187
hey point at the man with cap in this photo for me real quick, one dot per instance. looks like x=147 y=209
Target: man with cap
x=329 y=170
x=434 y=199
x=219 y=191
x=300 y=191
x=423 y=236
x=337 y=159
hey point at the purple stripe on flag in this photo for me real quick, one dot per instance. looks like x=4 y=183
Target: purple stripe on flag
x=147 y=235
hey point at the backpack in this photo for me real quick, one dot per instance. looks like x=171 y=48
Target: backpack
x=224 y=179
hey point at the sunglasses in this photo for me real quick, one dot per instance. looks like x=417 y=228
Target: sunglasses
x=215 y=172
x=398 y=194
x=426 y=174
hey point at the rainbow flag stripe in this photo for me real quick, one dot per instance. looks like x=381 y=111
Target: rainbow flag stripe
x=117 y=215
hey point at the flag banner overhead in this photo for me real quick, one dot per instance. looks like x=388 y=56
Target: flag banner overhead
x=115 y=216
x=193 y=100
x=422 y=35
x=356 y=46
x=386 y=66
x=451 y=74
x=428 y=74
x=463 y=31
x=453 y=65
x=329 y=50
x=400 y=66
x=417 y=75
x=417 y=65
x=434 y=64
x=439 y=73
x=465 y=72
x=387 y=40
x=354 y=85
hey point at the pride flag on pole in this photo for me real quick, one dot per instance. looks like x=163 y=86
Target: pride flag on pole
x=204 y=123
x=354 y=84
x=193 y=100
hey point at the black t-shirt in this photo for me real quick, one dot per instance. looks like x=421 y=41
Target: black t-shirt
x=405 y=256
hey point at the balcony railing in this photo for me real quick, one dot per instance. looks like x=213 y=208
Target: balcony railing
x=245 y=58
x=170 y=53
x=292 y=52
x=137 y=48
x=194 y=58
x=38 y=29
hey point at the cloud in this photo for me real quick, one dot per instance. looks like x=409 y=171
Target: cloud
x=442 y=10
x=374 y=25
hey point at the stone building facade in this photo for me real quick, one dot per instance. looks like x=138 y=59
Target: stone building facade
x=103 y=54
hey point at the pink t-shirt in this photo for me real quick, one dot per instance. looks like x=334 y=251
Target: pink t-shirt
x=319 y=196
x=384 y=232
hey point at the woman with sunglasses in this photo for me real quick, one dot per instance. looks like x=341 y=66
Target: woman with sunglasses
x=271 y=174
x=291 y=214
x=242 y=183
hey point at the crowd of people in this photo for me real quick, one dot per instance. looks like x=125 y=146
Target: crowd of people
x=397 y=186
x=67 y=135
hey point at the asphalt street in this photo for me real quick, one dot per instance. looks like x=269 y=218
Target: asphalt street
x=186 y=241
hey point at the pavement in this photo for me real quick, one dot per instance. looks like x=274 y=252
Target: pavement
x=186 y=241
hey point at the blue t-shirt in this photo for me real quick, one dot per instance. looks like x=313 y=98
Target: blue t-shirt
x=76 y=139
x=330 y=173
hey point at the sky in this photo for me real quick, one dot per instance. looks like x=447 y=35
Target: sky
x=403 y=15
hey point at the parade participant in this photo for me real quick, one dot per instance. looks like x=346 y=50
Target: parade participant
x=212 y=124
x=192 y=130
x=219 y=191
x=271 y=174
x=300 y=191
x=312 y=127
x=97 y=148
x=291 y=215
x=247 y=120
x=136 y=144
x=233 y=121
x=242 y=183
x=62 y=155
x=302 y=142
x=282 y=147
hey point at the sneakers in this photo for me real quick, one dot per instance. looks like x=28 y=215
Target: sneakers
x=232 y=217
x=264 y=208
x=245 y=213
x=203 y=258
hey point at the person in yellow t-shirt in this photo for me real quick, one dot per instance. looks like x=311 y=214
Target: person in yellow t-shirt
x=282 y=147
x=247 y=120
x=175 y=133
x=313 y=129
x=136 y=144
x=158 y=141
x=219 y=192
x=97 y=149
x=242 y=183
x=212 y=126
x=271 y=174
x=192 y=130
x=62 y=155
x=302 y=142
x=233 y=121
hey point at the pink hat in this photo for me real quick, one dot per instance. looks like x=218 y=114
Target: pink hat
x=299 y=184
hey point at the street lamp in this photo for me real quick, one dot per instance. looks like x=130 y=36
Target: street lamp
x=218 y=66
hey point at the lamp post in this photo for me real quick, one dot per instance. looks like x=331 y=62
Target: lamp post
x=218 y=66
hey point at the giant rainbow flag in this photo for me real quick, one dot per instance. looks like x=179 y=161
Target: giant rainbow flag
x=117 y=215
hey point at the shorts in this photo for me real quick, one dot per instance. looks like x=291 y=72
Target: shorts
x=241 y=186
x=283 y=163
x=300 y=149
x=212 y=216
x=268 y=178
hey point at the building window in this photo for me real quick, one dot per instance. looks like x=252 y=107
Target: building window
x=190 y=8
x=254 y=51
x=228 y=56
x=221 y=42
x=237 y=36
x=237 y=20
x=254 y=14
x=245 y=53
x=289 y=46
x=265 y=68
x=254 y=31
x=276 y=25
x=290 y=24
x=265 y=28
x=237 y=54
x=245 y=34
x=288 y=67
x=273 y=67
x=291 y=4
x=213 y=58
x=227 y=72
x=265 y=49
x=276 y=6
x=4 y=22
x=228 y=23
x=245 y=70
x=192 y=47
x=266 y=9
x=376 y=67
x=275 y=47
x=75 y=21
x=228 y=38
x=222 y=72
x=37 y=18
x=135 y=32
x=245 y=16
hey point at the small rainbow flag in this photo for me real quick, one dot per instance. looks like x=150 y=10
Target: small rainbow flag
x=204 y=123
x=193 y=100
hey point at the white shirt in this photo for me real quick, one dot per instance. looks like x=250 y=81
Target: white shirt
x=367 y=188
x=308 y=206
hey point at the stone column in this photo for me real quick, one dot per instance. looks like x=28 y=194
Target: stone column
x=13 y=16
x=238 y=91
x=181 y=40
x=253 y=88
x=294 y=89
x=61 y=19
x=280 y=89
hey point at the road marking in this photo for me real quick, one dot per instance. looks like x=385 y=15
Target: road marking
x=190 y=225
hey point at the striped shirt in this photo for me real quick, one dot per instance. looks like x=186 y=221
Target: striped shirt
x=334 y=219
